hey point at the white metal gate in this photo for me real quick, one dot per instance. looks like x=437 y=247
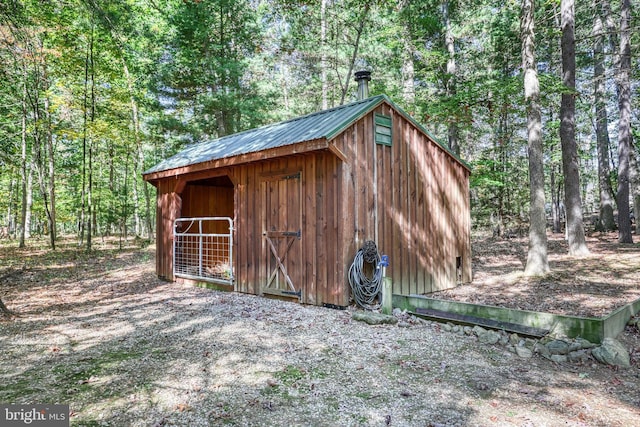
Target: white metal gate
x=203 y=249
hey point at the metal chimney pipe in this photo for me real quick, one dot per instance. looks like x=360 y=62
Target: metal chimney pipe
x=363 y=77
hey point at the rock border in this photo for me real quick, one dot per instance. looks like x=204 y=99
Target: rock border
x=556 y=349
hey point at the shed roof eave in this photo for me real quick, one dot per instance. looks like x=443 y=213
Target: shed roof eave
x=151 y=181
x=318 y=125
x=287 y=150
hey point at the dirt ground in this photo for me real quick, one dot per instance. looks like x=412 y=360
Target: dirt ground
x=101 y=333
x=589 y=286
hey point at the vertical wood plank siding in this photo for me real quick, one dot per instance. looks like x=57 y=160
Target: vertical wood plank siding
x=419 y=210
x=411 y=198
x=322 y=233
x=169 y=206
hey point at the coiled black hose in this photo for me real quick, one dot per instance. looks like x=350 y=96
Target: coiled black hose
x=365 y=290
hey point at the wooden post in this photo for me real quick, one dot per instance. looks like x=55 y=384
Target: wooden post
x=387 y=307
x=387 y=297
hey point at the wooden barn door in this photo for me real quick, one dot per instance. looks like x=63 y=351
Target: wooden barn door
x=283 y=274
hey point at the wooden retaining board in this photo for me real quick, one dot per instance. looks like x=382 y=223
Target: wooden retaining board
x=487 y=323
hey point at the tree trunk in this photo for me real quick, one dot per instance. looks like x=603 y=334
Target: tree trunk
x=285 y=86
x=408 y=73
x=572 y=199
x=90 y=68
x=502 y=164
x=221 y=123
x=606 y=221
x=39 y=152
x=137 y=224
x=323 y=55
x=147 y=199
x=90 y=221
x=42 y=183
x=27 y=218
x=408 y=66
x=450 y=79
x=556 y=188
x=138 y=163
x=9 y=218
x=537 y=262
x=23 y=169
x=51 y=166
x=85 y=136
x=125 y=195
x=363 y=20
x=612 y=31
x=624 y=131
x=634 y=181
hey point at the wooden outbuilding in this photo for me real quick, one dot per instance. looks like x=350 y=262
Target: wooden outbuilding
x=303 y=196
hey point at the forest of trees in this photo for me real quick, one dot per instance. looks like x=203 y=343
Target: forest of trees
x=539 y=97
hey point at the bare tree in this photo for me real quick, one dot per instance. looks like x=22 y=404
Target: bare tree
x=537 y=262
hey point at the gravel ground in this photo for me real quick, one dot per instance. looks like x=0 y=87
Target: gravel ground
x=124 y=349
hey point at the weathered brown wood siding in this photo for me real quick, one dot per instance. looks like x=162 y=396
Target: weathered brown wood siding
x=208 y=201
x=321 y=257
x=169 y=207
x=322 y=252
x=412 y=199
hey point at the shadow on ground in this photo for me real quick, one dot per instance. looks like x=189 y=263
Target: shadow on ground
x=100 y=332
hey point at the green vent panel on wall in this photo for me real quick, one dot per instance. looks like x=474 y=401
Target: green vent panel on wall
x=383 y=129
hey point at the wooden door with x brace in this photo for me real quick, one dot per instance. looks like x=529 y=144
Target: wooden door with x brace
x=283 y=272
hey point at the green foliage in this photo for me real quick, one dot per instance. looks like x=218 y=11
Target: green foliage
x=487 y=175
x=205 y=68
x=193 y=70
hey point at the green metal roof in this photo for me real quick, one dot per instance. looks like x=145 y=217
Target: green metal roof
x=321 y=125
x=324 y=124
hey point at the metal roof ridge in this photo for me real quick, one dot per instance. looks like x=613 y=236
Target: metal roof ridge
x=374 y=100
x=291 y=120
x=294 y=119
x=330 y=110
x=371 y=103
